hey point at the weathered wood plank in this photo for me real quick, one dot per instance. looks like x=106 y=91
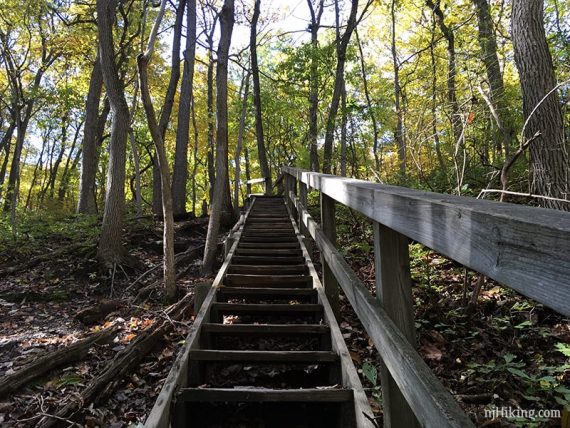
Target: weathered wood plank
x=270 y=245
x=263 y=308
x=394 y=292
x=265 y=356
x=266 y=328
x=250 y=395
x=268 y=269
x=268 y=252
x=430 y=401
x=269 y=260
x=268 y=292
x=269 y=280
x=525 y=248
x=328 y=223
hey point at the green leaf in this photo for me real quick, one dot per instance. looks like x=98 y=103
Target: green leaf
x=564 y=348
x=519 y=373
x=370 y=372
x=523 y=325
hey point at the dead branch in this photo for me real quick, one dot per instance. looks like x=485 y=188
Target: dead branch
x=52 y=360
x=125 y=361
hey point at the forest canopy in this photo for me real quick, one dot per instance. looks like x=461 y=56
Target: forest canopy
x=467 y=97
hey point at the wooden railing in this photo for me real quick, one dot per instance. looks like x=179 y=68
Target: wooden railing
x=524 y=248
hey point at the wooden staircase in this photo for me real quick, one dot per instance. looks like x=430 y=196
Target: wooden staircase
x=265 y=350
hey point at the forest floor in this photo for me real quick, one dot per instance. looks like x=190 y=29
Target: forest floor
x=52 y=294
x=503 y=351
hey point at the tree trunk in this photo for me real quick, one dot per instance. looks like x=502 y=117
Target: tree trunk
x=435 y=131
x=194 y=158
x=399 y=130
x=314 y=84
x=69 y=166
x=262 y=153
x=110 y=249
x=339 y=77
x=488 y=43
x=180 y=171
x=87 y=202
x=211 y=117
x=541 y=104
x=6 y=144
x=239 y=144
x=155 y=131
x=226 y=28
x=377 y=156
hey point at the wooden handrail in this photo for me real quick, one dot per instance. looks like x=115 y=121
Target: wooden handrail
x=524 y=248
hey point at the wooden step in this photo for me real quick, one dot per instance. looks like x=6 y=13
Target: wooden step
x=269 y=269
x=266 y=309
x=291 y=252
x=261 y=395
x=210 y=355
x=268 y=220
x=268 y=233
x=268 y=280
x=290 y=238
x=265 y=329
x=304 y=294
x=267 y=260
x=270 y=245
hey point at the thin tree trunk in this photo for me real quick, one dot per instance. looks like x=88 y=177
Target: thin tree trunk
x=314 y=84
x=110 y=249
x=488 y=43
x=168 y=104
x=262 y=153
x=194 y=158
x=451 y=70
x=377 y=156
x=541 y=104
x=239 y=144
x=435 y=131
x=180 y=171
x=399 y=130
x=6 y=144
x=211 y=115
x=87 y=203
x=339 y=77
x=226 y=27
x=155 y=131
x=64 y=181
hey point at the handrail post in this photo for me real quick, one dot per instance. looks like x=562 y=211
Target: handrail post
x=394 y=291
x=303 y=199
x=328 y=225
x=288 y=179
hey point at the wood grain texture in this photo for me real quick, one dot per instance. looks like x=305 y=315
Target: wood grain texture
x=524 y=248
x=394 y=292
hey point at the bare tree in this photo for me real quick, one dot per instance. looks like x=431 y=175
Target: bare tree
x=314 y=83
x=180 y=170
x=155 y=131
x=262 y=153
x=226 y=28
x=338 y=82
